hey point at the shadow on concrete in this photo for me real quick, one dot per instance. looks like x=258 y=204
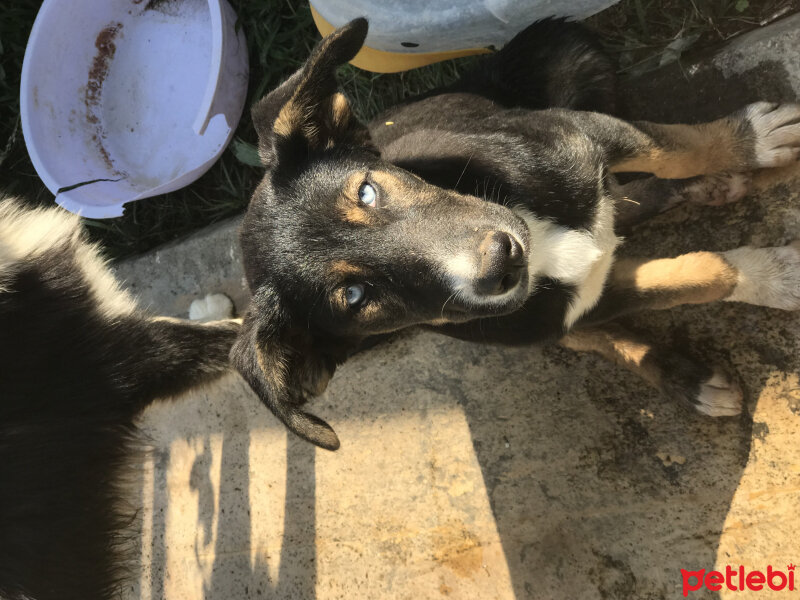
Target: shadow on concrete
x=599 y=487
x=605 y=489
x=298 y=568
x=236 y=571
x=159 y=522
x=233 y=573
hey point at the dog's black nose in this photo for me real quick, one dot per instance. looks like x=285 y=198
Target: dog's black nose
x=500 y=264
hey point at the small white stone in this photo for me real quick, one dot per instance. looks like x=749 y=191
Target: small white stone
x=213 y=307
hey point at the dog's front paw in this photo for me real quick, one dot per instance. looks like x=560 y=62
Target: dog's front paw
x=214 y=307
x=719 y=395
x=711 y=391
x=776 y=133
x=716 y=190
x=767 y=276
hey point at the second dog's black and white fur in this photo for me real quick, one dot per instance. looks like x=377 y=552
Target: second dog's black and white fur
x=78 y=362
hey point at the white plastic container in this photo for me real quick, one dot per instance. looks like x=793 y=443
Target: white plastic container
x=413 y=33
x=141 y=95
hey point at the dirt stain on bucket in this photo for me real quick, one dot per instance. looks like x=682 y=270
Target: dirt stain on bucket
x=94 y=86
x=167 y=7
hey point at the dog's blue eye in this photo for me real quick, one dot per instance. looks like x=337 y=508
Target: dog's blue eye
x=367 y=194
x=354 y=294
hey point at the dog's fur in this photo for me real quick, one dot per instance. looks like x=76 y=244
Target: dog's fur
x=488 y=210
x=77 y=363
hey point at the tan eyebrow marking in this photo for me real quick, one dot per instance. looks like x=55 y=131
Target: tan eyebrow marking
x=343 y=267
x=392 y=190
x=390 y=184
x=399 y=191
x=349 y=205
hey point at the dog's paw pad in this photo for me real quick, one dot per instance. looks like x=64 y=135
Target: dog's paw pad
x=767 y=276
x=776 y=128
x=716 y=190
x=214 y=307
x=719 y=395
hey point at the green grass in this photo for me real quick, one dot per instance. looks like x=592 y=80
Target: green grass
x=280 y=34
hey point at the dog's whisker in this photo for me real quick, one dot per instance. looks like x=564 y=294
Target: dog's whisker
x=464 y=171
x=450 y=297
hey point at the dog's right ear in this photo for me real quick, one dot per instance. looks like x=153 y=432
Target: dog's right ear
x=280 y=365
x=306 y=111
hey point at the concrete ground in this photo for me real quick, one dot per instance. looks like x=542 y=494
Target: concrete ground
x=479 y=472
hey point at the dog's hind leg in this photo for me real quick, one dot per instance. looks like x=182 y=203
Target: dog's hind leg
x=709 y=390
x=762 y=276
x=758 y=136
x=551 y=63
x=642 y=199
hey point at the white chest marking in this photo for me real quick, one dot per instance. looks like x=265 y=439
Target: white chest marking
x=579 y=258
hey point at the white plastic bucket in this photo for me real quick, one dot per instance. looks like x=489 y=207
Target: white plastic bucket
x=138 y=97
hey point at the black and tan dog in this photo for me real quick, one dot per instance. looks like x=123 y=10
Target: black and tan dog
x=489 y=211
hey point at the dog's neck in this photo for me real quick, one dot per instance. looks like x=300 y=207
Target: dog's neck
x=578 y=258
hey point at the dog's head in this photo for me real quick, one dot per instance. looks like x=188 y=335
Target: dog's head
x=339 y=245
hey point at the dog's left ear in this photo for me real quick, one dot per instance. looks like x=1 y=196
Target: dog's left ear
x=283 y=365
x=306 y=111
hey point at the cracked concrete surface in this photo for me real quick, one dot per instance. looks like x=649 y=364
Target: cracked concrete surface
x=469 y=471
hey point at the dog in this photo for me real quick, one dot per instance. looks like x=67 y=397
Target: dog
x=489 y=210
x=79 y=362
